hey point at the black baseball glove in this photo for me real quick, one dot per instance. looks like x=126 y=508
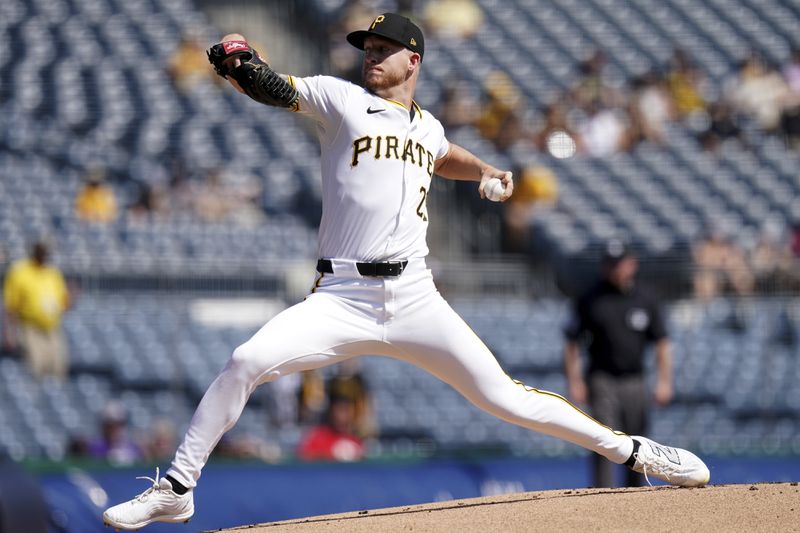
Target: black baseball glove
x=253 y=75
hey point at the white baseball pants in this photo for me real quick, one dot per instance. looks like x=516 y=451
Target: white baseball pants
x=404 y=317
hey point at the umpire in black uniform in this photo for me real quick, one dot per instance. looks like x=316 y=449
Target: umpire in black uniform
x=617 y=322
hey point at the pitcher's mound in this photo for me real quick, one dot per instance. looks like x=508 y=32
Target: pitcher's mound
x=763 y=507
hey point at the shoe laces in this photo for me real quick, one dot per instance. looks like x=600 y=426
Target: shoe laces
x=156 y=487
x=657 y=464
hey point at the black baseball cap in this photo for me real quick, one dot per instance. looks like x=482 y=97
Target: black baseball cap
x=394 y=27
x=615 y=251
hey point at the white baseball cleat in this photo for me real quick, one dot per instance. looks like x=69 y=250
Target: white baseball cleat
x=676 y=466
x=157 y=504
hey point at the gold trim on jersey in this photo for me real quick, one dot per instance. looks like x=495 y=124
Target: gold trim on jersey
x=558 y=396
x=316 y=283
x=395 y=102
x=417 y=107
x=414 y=105
x=296 y=107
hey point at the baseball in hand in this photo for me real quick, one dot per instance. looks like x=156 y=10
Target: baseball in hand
x=494 y=189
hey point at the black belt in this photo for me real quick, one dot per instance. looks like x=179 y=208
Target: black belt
x=390 y=268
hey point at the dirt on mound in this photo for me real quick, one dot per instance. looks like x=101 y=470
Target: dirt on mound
x=762 y=507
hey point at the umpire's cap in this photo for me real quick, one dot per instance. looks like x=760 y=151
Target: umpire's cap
x=394 y=27
x=615 y=251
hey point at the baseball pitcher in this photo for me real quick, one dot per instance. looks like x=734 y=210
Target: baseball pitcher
x=374 y=293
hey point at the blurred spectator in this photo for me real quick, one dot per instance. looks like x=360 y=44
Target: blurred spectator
x=334 y=439
x=244 y=446
x=772 y=262
x=592 y=88
x=114 y=443
x=453 y=19
x=791 y=71
x=790 y=119
x=501 y=119
x=212 y=200
x=284 y=408
x=721 y=125
x=345 y=61
x=619 y=321
x=651 y=107
x=150 y=203
x=685 y=82
x=162 y=440
x=794 y=239
x=602 y=126
x=760 y=92
x=720 y=266
x=536 y=186
x=556 y=122
x=95 y=201
x=349 y=382
x=604 y=131
x=179 y=196
x=790 y=124
x=188 y=65
x=459 y=106
x=36 y=297
x=311 y=399
x=246 y=191
x=225 y=197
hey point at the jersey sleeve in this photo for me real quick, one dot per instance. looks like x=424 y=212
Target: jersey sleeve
x=323 y=98
x=657 y=329
x=575 y=324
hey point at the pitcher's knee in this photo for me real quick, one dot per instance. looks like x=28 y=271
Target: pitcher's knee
x=254 y=364
x=490 y=400
x=245 y=360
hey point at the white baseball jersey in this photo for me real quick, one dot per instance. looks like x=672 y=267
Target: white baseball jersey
x=377 y=164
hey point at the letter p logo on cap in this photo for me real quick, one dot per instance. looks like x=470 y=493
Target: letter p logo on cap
x=377 y=21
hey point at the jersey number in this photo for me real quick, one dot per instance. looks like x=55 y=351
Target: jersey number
x=422 y=208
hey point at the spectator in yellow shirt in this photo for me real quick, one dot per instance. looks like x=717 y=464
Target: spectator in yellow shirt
x=188 y=65
x=458 y=19
x=684 y=83
x=36 y=297
x=95 y=202
x=537 y=187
